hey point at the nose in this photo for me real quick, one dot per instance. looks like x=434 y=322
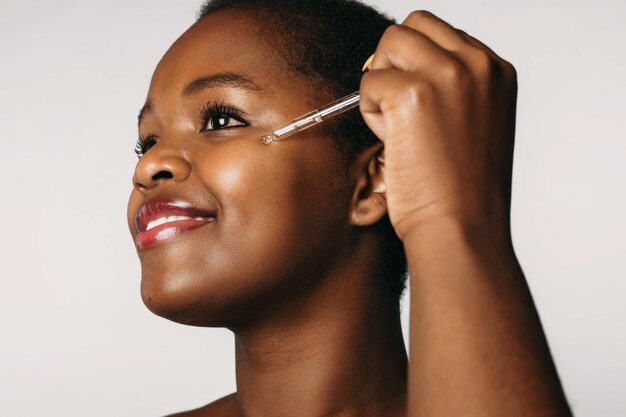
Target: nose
x=160 y=165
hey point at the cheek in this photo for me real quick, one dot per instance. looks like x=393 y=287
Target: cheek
x=264 y=185
x=281 y=206
x=269 y=193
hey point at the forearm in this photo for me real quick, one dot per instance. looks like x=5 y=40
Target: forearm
x=476 y=343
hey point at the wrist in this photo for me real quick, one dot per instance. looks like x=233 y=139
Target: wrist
x=447 y=235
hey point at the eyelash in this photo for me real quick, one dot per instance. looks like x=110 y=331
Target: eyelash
x=208 y=111
x=144 y=144
x=212 y=109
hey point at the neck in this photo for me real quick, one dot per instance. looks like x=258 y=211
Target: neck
x=338 y=353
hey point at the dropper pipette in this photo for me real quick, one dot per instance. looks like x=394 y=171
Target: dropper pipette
x=313 y=118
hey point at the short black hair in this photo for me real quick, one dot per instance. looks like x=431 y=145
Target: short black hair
x=328 y=41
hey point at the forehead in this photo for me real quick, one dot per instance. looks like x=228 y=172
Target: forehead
x=227 y=41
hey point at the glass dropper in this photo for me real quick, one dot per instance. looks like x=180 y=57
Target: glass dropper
x=313 y=118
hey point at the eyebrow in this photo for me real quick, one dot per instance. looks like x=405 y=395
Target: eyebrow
x=222 y=79
x=146 y=109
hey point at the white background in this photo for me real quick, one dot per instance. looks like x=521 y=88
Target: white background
x=75 y=337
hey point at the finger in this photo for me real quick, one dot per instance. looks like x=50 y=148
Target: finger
x=405 y=49
x=376 y=87
x=485 y=60
x=440 y=31
x=384 y=88
x=478 y=44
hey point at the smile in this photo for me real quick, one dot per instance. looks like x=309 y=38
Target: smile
x=160 y=220
x=170 y=219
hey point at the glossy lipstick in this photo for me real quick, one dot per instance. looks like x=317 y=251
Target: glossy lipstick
x=162 y=219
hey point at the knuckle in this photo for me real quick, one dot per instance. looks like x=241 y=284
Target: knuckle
x=393 y=31
x=418 y=93
x=483 y=62
x=416 y=15
x=453 y=71
x=487 y=66
x=393 y=37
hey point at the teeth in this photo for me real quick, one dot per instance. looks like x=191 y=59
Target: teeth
x=168 y=219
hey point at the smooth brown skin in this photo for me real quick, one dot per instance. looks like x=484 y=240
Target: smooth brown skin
x=288 y=264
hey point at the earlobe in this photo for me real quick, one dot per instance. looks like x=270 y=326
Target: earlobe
x=369 y=201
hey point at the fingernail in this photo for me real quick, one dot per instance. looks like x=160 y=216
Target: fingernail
x=368 y=63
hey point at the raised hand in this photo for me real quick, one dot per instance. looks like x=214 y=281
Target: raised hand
x=444 y=105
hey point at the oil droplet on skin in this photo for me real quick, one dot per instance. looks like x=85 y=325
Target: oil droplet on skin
x=267 y=139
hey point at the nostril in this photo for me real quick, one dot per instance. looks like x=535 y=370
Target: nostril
x=162 y=175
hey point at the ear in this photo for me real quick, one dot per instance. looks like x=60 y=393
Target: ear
x=369 y=203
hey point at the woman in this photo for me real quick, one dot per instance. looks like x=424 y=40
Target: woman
x=300 y=247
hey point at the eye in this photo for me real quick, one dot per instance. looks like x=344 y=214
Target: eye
x=144 y=144
x=214 y=116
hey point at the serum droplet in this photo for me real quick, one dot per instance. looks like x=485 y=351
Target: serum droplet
x=267 y=139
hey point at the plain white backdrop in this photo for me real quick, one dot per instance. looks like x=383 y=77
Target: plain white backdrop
x=75 y=338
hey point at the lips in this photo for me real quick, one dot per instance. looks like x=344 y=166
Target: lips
x=163 y=219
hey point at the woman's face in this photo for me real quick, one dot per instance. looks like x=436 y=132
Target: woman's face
x=257 y=224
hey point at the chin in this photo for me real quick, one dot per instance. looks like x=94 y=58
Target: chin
x=178 y=283
x=197 y=297
x=176 y=298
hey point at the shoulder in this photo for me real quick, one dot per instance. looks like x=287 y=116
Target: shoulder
x=224 y=407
